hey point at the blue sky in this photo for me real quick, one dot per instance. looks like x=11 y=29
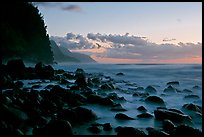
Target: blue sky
x=159 y=22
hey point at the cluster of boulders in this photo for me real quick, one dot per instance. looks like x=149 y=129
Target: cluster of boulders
x=55 y=110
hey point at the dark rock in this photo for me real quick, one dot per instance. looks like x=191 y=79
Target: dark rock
x=129 y=131
x=145 y=115
x=155 y=99
x=94 y=129
x=122 y=116
x=84 y=114
x=170 y=89
x=16 y=68
x=107 y=127
x=64 y=81
x=120 y=74
x=155 y=133
x=6 y=81
x=162 y=114
x=118 y=107
x=173 y=83
x=196 y=87
x=36 y=86
x=150 y=89
x=96 y=80
x=44 y=72
x=81 y=81
x=142 y=108
x=107 y=87
x=191 y=97
x=184 y=130
x=168 y=125
x=55 y=128
x=68 y=76
x=19 y=84
x=57 y=90
x=192 y=107
x=140 y=89
x=69 y=115
x=187 y=91
x=96 y=99
x=176 y=110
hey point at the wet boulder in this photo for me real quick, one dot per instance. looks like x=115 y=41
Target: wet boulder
x=192 y=107
x=55 y=128
x=162 y=114
x=142 y=108
x=81 y=81
x=69 y=115
x=107 y=86
x=156 y=133
x=120 y=74
x=6 y=81
x=58 y=90
x=145 y=115
x=187 y=91
x=43 y=71
x=84 y=114
x=118 y=107
x=155 y=99
x=191 y=96
x=107 y=127
x=122 y=116
x=168 y=125
x=170 y=89
x=150 y=89
x=173 y=83
x=94 y=129
x=129 y=131
x=19 y=84
x=184 y=130
x=16 y=68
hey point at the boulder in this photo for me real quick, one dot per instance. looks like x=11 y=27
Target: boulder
x=192 y=107
x=162 y=114
x=156 y=133
x=184 y=130
x=142 y=108
x=118 y=107
x=54 y=128
x=69 y=115
x=94 y=129
x=120 y=74
x=16 y=68
x=155 y=99
x=150 y=89
x=191 y=96
x=145 y=115
x=84 y=114
x=168 y=125
x=107 y=127
x=170 y=89
x=129 y=131
x=173 y=83
x=107 y=86
x=81 y=81
x=44 y=72
x=122 y=116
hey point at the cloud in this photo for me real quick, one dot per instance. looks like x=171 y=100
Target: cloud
x=166 y=39
x=59 y=5
x=128 y=47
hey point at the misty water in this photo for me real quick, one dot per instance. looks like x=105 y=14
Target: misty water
x=141 y=75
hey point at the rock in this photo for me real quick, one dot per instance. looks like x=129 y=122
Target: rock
x=184 y=130
x=187 y=91
x=176 y=110
x=142 y=108
x=150 y=89
x=118 y=107
x=129 y=131
x=155 y=99
x=19 y=84
x=191 y=97
x=36 y=86
x=107 y=127
x=81 y=81
x=196 y=87
x=94 y=129
x=106 y=102
x=168 y=125
x=69 y=115
x=6 y=81
x=120 y=74
x=155 y=133
x=96 y=81
x=96 y=99
x=162 y=114
x=58 y=90
x=64 y=81
x=84 y=114
x=55 y=128
x=192 y=107
x=139 y=94
x=122 y=116
x=173 y=83
x=170 y=89
x=107 y=87
x=16 y=68
x=140 y=89
x=44 y=72
x=145 y=115
x=68 y=76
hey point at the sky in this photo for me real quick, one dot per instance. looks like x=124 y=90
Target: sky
x=127 y=32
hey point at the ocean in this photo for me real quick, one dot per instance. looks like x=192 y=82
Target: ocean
x=143 y=75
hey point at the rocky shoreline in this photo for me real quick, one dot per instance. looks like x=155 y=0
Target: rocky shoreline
x=56 y=109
